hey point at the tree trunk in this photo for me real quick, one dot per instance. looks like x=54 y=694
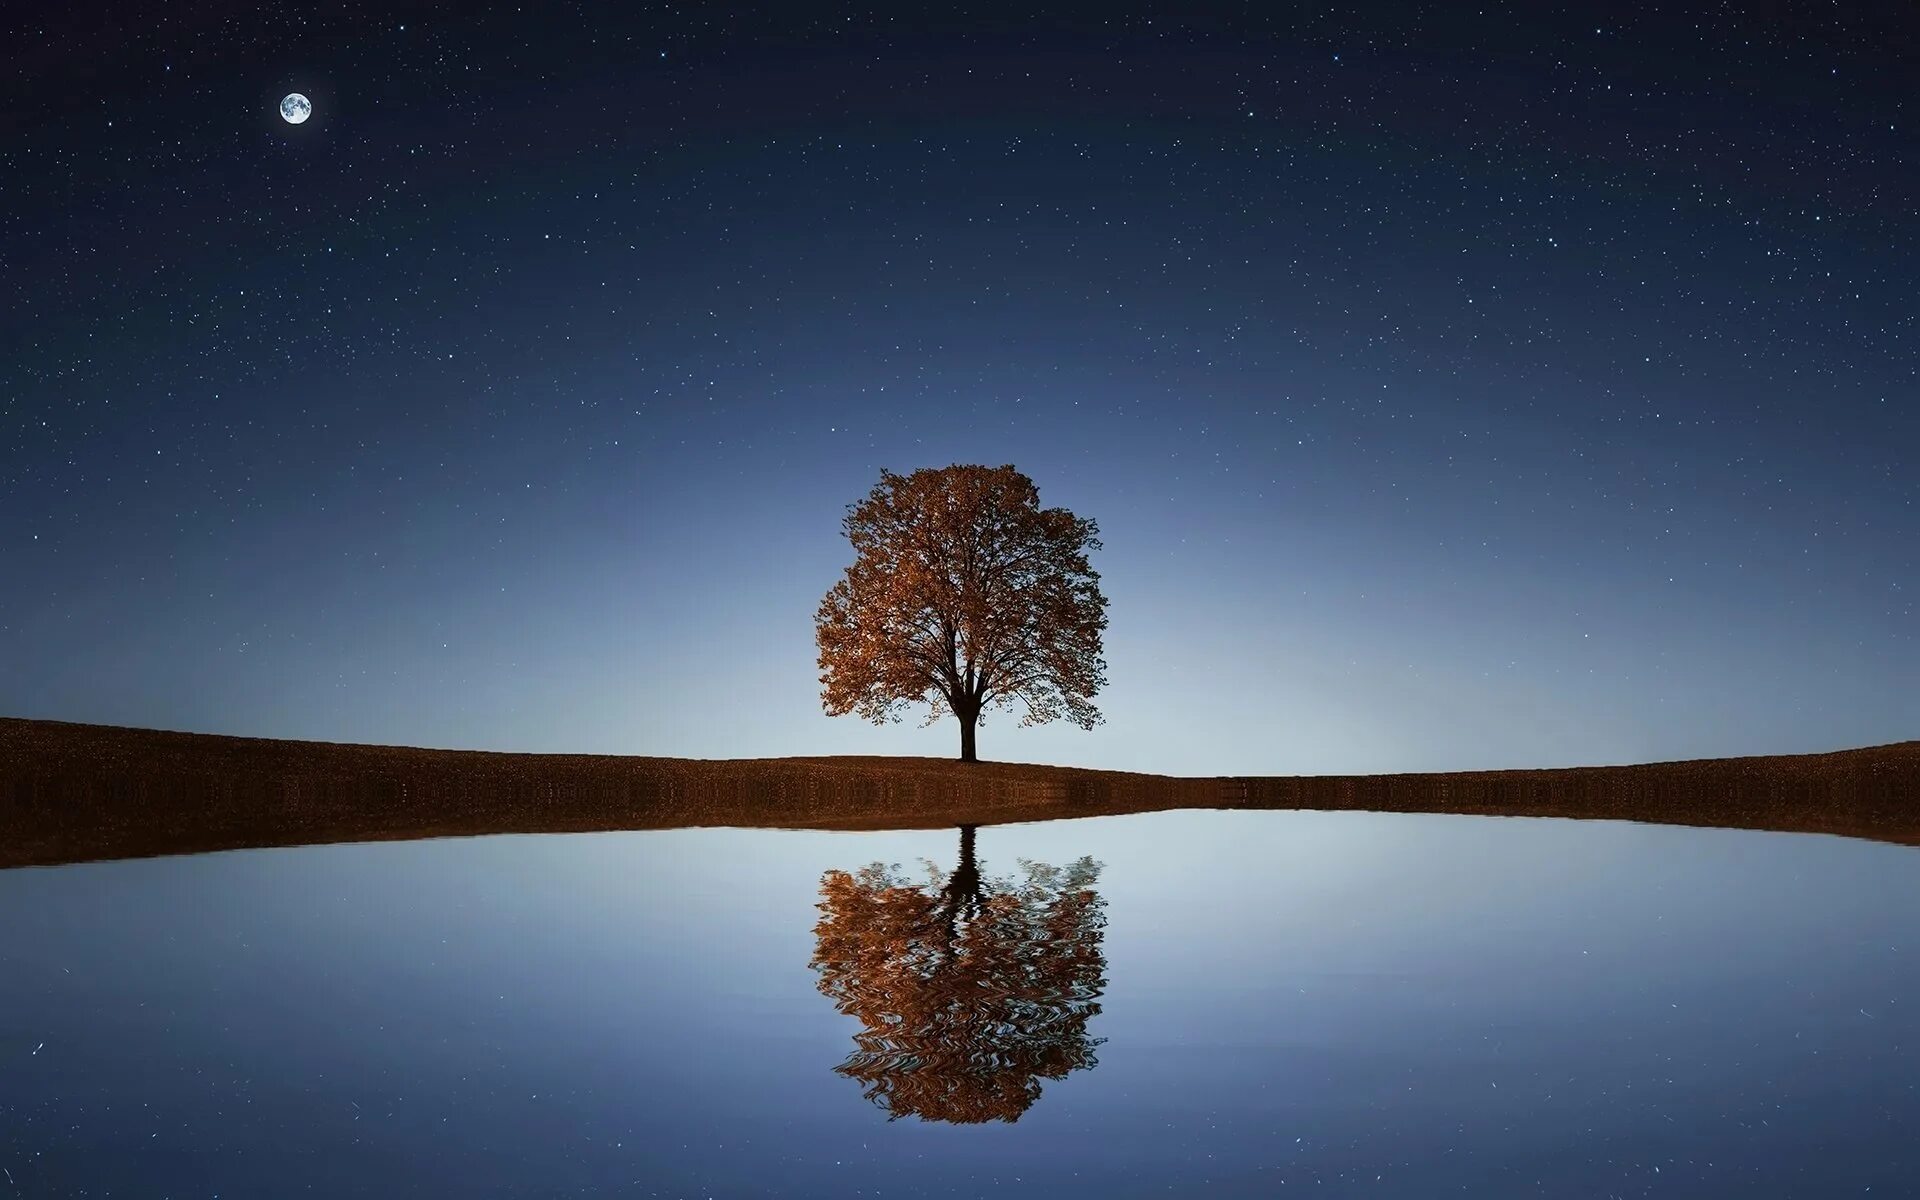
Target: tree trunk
x=962 y=893
x=969 y=721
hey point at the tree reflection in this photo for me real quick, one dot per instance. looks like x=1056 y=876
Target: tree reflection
x=971 y=989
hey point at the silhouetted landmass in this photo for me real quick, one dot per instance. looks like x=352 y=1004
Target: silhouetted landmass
x=72 y=793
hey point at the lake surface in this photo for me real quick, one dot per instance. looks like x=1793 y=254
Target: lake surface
x=1234 y=1003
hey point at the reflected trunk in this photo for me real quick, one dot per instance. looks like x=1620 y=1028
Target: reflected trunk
x=961 y=896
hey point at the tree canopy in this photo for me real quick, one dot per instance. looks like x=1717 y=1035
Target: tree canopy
x=969 y=992
x=964 y=594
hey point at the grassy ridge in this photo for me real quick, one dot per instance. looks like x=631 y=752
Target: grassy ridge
x=71 y=793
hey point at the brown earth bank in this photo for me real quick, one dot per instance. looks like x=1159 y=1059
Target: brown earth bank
x=74 y=793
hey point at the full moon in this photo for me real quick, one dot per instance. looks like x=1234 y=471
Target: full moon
x=295 y=108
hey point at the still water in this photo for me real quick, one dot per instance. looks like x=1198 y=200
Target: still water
x=1235 y=1004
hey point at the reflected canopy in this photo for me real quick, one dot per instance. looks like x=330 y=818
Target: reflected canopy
x=971 y=989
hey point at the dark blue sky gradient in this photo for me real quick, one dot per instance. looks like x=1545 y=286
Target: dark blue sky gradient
x=1452 y=390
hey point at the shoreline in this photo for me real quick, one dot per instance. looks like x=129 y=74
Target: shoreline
x=79 y=793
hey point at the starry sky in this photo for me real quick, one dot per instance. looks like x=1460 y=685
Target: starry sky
x=1453 y=388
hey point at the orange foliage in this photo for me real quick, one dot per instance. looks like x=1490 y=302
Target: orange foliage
x=964 y=594
x=971 y=993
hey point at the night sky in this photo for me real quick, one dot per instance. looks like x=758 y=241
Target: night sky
x=1453 y=389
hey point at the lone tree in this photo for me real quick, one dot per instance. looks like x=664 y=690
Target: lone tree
x=965 y=594
x=969 y=991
